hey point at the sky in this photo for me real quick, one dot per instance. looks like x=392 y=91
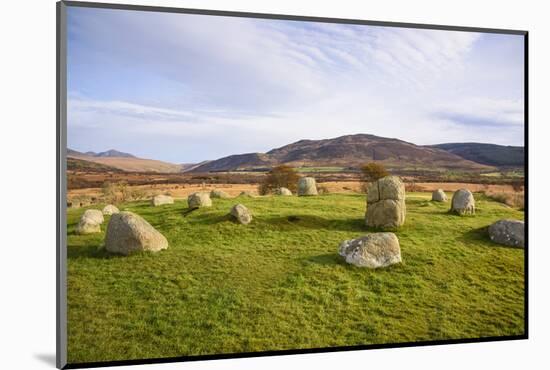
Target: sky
x=185 y=88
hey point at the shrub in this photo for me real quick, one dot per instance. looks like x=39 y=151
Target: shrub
x=512 y=199
x=373 y=171
x=279 y=176
x=517 y=185
x=413 y=187
x=108 y=190
x=322 y=189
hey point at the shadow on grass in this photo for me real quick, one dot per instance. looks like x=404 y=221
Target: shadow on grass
x=481 y=235
x=316 y=222
x=210 y=219
x=327 y=259
x=89 y=251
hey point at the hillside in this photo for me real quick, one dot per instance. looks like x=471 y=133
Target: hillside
x=346 y=151
x=125 y=162
x=489 y=154
x=75 y=164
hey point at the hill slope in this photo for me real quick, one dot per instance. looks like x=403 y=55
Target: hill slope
x=125 y=162
x=75 y=164
x=346 y=151
x=489 y=154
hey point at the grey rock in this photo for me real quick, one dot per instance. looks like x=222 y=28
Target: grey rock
x=508 y=232
x=198 y=200
x=247 y=193
x=439 y=196
x=109 y=209
x=127 y=233
x=283 y=191
x=90 y=222
x=372 y=250
x=307 y=186
x=241 y=214
x=463 y=202
x=161 y=199
x=386 y=203
x=219 y=194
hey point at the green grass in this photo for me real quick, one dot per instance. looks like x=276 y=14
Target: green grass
x=279 y=284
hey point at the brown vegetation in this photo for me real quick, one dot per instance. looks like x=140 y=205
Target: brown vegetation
x=510 y=198
x=279 y=176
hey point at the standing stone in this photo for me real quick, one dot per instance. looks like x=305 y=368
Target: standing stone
x=283 y=191
x=372 y=251
x=463 y=202
x=198 y=200
x=307 y=186
x=159 y=200
x=219 y=194
x=110 y=209
x=128 y=232
x=439 y=196
x=508 y=232
x=241 y=214
x=90 y=222
x=386 y=203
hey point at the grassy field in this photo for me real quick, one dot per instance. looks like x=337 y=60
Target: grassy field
x=279 y=283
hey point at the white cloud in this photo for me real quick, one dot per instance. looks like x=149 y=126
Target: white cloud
x=249 y=84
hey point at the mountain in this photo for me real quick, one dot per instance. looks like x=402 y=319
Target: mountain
x=75 y=164
x=489 y=154
x=108 y=153
x=124 y=161
x=188 y=167
x=346 y=151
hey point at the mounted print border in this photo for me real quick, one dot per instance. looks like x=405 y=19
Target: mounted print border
x=67 y=218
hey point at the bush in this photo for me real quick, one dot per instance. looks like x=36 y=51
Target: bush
x=413 y=187
x=373 y=171
x=279 y=176
x=517 y=185
x=322 y=189
x=512 y=199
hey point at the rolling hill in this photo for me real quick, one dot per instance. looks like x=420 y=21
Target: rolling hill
x=124 y=161
x=347 y=151
x=489 y=154
x=75 y=164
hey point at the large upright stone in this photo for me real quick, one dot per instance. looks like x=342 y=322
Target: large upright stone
x=307 y=186
x=386 y=203
x=198 y=200
x=128 y=233
x=373 y=250
x=508 y=232
x=161 y=199
x=463 y=202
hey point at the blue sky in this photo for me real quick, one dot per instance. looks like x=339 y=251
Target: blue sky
x=185 y=88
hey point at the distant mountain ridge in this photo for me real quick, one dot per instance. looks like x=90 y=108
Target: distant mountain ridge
x=107 y=153
x=121 y=161
x=489 y=154
x=346 y=151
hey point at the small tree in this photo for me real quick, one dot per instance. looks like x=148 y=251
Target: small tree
x=373 y=171
x=279 y=176
x=109 y=192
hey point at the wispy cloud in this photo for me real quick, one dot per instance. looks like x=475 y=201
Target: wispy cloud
x=236 y=84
